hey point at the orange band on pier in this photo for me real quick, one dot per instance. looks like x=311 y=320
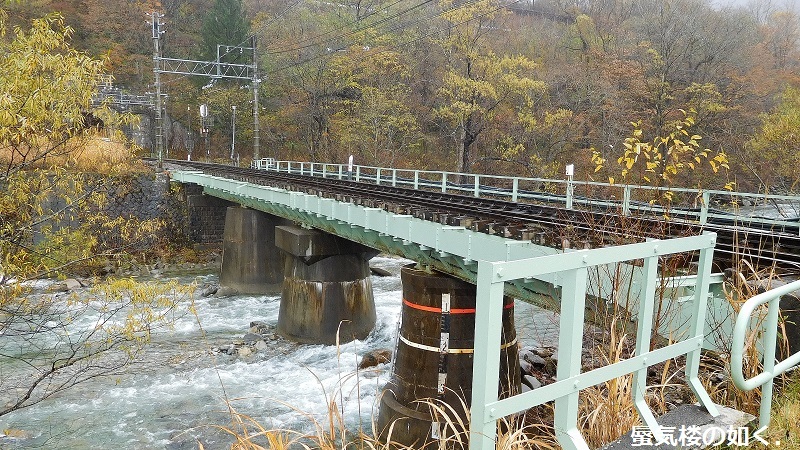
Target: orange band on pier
x=434 y=309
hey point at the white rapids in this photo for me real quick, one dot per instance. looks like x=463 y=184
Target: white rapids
x=180 y=393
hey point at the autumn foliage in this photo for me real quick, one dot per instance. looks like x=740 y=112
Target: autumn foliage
x=490 y=86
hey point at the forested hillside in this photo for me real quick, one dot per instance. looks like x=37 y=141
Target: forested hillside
x=514 y=87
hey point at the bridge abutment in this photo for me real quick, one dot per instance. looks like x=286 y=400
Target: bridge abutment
x=326 y=288
x=433 y=363
x=251 y=263
x=205 y=215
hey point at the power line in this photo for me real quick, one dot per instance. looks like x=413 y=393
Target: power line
x=290 y=7
x=264 y=26
x=431 y=17
x=404 y=44
x=349 y=33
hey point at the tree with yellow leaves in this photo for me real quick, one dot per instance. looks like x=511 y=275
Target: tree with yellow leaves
x=50 y=214
x=478 y=84
x=662 y=160
x=374 y=122
x=776 y=144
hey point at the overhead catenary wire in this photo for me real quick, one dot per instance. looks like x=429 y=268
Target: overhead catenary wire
x=426 y=19
x=263 y=26
x=364 y=27
x=342 y=27
x=335 y=30
x=403 y=44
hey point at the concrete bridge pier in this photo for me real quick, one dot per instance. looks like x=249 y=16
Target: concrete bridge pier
x=326 y=287
x=433 y=363
x=251 y=263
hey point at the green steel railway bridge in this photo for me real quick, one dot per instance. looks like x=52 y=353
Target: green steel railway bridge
x=481 y=241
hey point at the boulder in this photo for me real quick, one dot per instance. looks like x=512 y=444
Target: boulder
x=209 y=290
x=375 y=357
x=544 y=352
x=380 y=272
x=244 y=352
x=259 y=327
x=525 y=367
x=225 y=291
x=261 y=346
x=551 y=365
x=531 y=381
x=533 y=358
x=250 y=338
x=70 y=284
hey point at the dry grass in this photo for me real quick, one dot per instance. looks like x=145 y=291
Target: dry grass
x=249 y=434
x=88 y=152
x=785 y=419
x=737 y=291
x=607 y=411
x=95 y=153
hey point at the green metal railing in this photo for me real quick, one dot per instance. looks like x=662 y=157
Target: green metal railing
x=741 y=332
x=573 y=268
x=693 y=204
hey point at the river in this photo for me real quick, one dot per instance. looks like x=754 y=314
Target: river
x=177 y=396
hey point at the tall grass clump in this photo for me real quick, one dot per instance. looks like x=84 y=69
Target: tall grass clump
x=741 y=285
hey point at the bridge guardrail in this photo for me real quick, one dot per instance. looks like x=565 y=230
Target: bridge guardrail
x=696 y=205
x=574 y=269
x=766 y=378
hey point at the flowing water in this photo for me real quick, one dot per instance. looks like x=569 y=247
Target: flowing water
x=177 y=395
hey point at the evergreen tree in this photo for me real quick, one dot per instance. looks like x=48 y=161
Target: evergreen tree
x=225 y=24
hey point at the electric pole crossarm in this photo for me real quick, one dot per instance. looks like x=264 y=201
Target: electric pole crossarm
x=122 y=99
x=212 y=69
x=206 y=68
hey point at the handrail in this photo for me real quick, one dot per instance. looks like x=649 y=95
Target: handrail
x=754 y=195
x=697 y=205
x=771 y=370
x=574 y=270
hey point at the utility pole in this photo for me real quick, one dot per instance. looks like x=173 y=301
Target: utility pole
x=157 y=23
x=189 y=141
x=256 y=125
x=166 y=133
x=233 y=134
x=204 y=129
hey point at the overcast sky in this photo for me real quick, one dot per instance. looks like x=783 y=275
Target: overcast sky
x=744 y=2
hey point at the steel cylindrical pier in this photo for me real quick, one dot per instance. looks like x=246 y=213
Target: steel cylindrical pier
x=434 y=360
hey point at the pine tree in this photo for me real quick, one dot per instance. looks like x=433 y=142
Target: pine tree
x=225 y=24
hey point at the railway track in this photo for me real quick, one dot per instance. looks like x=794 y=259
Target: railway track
x=542 y=224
